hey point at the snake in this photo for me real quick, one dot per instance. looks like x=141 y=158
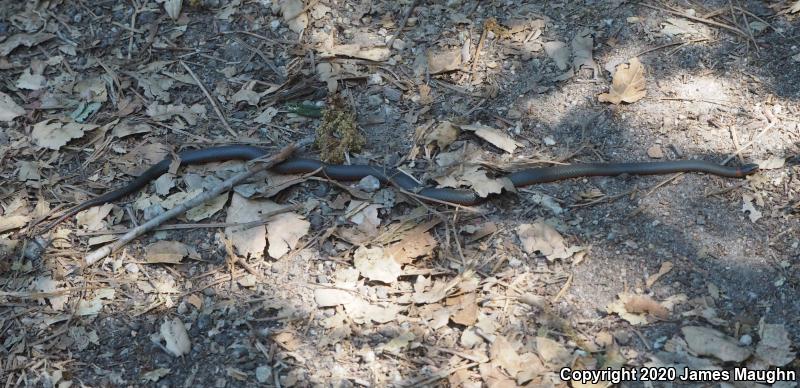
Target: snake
x=403 y=181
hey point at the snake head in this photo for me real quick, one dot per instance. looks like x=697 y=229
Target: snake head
x=748 y=169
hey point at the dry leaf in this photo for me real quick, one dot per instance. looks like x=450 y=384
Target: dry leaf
x=284 y=232
x=173 y=8
x=639 y=304
x=13 y=222
x=495 y=136
x=443 y=134
x=191 y=114
x=398 y=343
x=748 y=207
x=618 y=307
x=92 y=218
x=558 y=52
x=248 y=242
x=8 y=108
x=706 y=341
x=415 y=243
x=502 y=353
x=679 y=26
x=377 y=54
x=771 y=163
x=775 y=347
x=467 y=306
x=361 y=311
x=294 y=15
x=329 y=297
x=582 y=46
x=28 y=40
x=47 y=284
x=665 y=268
x=543 y=238
x=552 y=353
x=54 y=134
x=170 y=252
x=441 y=61
x=627 y=84
x=176 y=337
x=375 y=265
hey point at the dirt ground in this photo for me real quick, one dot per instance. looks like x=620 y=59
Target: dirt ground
x=353 y=285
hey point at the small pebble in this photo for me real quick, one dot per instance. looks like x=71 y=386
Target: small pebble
x=655 y=152
x=549 y=141
x=369 y=184
x=263 y=374
x=745 y=340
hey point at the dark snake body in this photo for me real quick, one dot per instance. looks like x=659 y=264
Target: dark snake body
x=395 y=177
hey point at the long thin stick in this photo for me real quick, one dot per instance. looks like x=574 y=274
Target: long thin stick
x=701 y=20
x=214 y=105
x=402 y=23
x=228 y=184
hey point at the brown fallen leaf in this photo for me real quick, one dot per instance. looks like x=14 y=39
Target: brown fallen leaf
x=665 y=268
x=171 y=252
x=441 y=61
x=643 y=304
x=627 y=85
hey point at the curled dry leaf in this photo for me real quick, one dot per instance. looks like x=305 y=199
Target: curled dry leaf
x=643 y=304
x=706 y=341
x=176 y=337
x=495 y=136
x=627 y=84
x=173 y=8
x=443 y=134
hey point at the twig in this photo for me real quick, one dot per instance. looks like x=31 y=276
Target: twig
x=402 y=24
x=670 y=45
x=263 y=164
x=698 y=19
x=241 y=225
x=211 y=100
x=748 y=144
x=477 y=53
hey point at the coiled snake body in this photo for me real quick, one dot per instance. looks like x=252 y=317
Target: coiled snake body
x=395 y=177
